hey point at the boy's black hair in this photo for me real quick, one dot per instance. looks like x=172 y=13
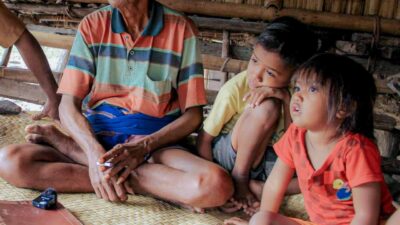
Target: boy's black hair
x=350 y=86
x=290 y=38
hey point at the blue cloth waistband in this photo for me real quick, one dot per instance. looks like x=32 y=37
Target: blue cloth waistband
x=114 y=125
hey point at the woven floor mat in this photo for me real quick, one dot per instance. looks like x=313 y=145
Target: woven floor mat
x=137 y=210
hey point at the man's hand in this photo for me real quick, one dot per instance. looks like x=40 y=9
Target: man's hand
x=50 y=109
x=107 y=189
x=124 y=158
x=256 y=96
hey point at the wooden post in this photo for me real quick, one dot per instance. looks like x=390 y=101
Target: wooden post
x=371 y=7
x=225 y=53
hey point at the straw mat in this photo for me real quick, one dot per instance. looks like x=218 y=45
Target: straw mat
x=137 y=210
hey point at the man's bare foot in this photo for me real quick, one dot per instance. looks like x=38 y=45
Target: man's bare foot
x=51 y=135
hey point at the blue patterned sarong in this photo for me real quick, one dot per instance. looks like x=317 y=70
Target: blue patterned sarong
x=113 y=125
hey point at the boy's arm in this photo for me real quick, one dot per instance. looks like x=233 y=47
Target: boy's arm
x=275 y=186
x=204 y=147
x=366 y=200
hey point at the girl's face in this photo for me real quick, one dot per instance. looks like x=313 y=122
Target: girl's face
x=267 y=69
x=309 y=105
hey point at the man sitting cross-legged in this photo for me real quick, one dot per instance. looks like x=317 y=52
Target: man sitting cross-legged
x=137 y=64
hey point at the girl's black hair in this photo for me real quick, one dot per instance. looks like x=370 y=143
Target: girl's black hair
x=290 y=38
x=350 y=86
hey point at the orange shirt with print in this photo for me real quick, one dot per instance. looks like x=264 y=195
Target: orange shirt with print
x=354 y=161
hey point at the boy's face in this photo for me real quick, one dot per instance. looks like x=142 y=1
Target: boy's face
x=267 y=69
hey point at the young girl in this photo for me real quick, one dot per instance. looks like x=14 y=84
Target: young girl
x=330 y=147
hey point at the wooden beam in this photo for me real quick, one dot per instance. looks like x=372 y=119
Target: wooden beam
x=236 y=25
x=52 y=30
x=321 y=19
x=21 y=90
x=232 y=66
x=24 y=75
x=315 y=18
x=32 y=9
x=54 y=40
x=230 y=10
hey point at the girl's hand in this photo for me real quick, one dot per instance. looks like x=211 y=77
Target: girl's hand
x=256 y=96
x=235 y=221
x=124 y=158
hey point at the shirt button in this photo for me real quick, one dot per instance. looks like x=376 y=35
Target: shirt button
x=132 y=52
x=130 y=68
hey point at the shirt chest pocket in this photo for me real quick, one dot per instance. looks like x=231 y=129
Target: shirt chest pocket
x=161 y=88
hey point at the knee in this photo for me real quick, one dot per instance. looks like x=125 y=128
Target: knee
x=9 y=156
x=214 y=187
x=265 y=112
x=13 y=164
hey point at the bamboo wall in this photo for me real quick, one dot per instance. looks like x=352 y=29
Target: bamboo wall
x=389 y=9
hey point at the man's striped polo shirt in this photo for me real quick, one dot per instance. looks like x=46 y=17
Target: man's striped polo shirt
x=160 y=73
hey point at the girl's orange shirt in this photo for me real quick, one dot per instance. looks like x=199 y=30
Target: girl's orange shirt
x=355 y=160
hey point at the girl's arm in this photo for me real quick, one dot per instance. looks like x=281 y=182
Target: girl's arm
x=275 y=186
x=367 y=202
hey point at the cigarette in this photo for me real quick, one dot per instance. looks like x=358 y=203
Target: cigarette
x=106 y=164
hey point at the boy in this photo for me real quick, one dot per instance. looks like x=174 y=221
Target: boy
x=243 y=121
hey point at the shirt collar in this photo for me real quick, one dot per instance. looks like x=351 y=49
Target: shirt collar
x=153 y=27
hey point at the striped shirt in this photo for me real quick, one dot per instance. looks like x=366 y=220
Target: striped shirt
x=160 y=73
